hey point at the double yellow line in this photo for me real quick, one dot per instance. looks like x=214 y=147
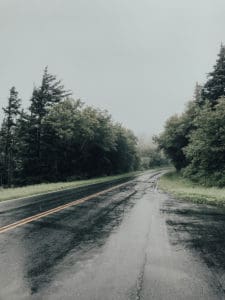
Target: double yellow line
x=56 y=209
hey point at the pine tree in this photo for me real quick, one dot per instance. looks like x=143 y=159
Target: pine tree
x=215 y=86
x=8 y=135
x=22 y=143
x=197 y=97
x=43 y=98
x=50 y=92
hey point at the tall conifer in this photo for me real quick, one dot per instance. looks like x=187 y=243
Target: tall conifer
x=214 y=88
x=11 y=112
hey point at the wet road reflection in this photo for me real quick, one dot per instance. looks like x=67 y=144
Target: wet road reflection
x=12 y=211
x=130 y=243
x=199 y=228
x=82 y=230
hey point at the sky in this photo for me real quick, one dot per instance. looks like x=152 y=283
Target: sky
x=140 y=60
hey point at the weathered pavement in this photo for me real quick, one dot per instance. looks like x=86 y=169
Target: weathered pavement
x=130 y=243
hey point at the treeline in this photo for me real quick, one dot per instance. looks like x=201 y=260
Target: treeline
x=195 y=140
x=59 y=138
x=151 y=157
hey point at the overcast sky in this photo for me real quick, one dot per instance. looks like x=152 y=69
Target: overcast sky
x=139 y=59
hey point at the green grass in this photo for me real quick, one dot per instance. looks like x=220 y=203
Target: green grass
x=31 y=190
x=182 y=188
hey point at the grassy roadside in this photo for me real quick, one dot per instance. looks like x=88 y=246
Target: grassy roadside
x=179 y=187
x=31 y=190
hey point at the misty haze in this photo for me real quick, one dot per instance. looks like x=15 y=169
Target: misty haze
x=112 y=149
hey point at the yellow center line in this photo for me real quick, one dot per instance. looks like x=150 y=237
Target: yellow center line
x=56 y=209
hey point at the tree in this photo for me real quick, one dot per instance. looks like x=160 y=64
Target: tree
x=197 y=97
x=98 y=141
x=125 y=156
x=206 y=150
x=214 y=88
x=173 y=140
x=85 y=142
x=60 y=138
x=11 y=113
x=157 y=158
x=175 y=136
x=22 y=148
x=43 y=99
x=195 y=140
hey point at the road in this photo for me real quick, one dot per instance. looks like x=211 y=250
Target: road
x=132 y=242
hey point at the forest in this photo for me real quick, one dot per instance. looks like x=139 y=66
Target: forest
x=195 y=140
x=58 y=138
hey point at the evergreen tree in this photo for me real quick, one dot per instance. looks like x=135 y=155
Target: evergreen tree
x=197 y=97
x=205 y=151
x=215 y=86
x=50 y=92
x=43 y=98
x=8 y=136
x=60 y=138
x=22 y=142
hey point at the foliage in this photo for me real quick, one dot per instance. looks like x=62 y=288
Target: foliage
x=214 y=88
x=176 y=135
x=195 y=140
x=157 y=158
x=8 y=138
x=61 y=138
x=43 y=99
x=150 y=156
x=206 y=150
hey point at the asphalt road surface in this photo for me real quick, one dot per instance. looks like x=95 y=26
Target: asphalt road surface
x=132 y=242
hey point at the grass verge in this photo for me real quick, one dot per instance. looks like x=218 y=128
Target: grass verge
x=182 y=188
x=37 y=189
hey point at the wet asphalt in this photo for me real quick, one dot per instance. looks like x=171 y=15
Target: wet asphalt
x=134 y=242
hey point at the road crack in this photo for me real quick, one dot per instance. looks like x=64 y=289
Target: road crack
x=140 y=280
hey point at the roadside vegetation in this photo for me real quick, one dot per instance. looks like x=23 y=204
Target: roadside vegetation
x=150 y=156
x=59 y=139
x=183 y=188
x=43 y=188
x=195 y=141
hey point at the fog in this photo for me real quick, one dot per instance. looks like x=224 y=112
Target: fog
x=138 y=59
